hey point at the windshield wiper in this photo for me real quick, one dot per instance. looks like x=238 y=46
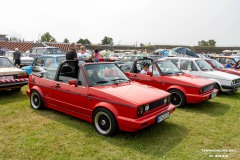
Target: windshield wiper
x=119 y=79
x=204 y=69
x=99 y=82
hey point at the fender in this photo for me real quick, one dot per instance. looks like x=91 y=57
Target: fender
x=177 y=87
x=215 y=80
x=37 y=89
x=108 y=106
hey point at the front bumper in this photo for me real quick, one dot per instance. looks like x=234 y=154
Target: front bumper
x=133 y=125
x=198 y=98
x=233 y=87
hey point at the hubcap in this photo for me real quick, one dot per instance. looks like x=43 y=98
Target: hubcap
x=35 y=100
x=176 y=99
x=103 y=122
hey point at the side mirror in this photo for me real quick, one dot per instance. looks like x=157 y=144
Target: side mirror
x=149 y=73
x=72 y=82
x=190 y=69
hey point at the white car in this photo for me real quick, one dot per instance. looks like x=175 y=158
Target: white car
x=225 y=82
x=25 y=60
x=10 y=76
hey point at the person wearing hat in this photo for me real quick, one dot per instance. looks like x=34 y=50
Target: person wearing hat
x=145 y=68
x=17 y=57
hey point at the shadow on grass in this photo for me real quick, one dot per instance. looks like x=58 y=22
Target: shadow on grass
x=214 y=109
x=155 y=140
x=9 y=96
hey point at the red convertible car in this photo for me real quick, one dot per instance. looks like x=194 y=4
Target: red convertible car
x=99 y=93
x=165 y=75
x=219 y=67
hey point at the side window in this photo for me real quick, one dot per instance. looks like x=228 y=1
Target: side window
x=49 y=62
x=81 y=78
x=39 y=62
x=185 y=64
x=154 y=70
x=33 y=51
x=193 y=66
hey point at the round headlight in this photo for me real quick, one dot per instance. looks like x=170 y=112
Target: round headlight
x=165 y=100
x=146 y=108
x=140 y=111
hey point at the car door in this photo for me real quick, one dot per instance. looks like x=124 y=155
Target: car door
x=71 y=98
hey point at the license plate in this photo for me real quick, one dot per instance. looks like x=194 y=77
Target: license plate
x=162 y=117
x=214 y=94
x=6 y=78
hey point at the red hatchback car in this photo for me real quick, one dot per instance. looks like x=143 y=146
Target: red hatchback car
x=99 y=93
x=165 y=75
x=219 y=67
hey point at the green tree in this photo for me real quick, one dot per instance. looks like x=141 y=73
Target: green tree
x=47 y=37
x=107 y=41
x=202 y=43
x=83 y=41
x=14 y=39
x=142 y=45
x=211 y=42
x=65 y=40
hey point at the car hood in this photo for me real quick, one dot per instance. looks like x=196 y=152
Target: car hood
x=230 y=70
x=187 y=79
x=10 y=71
x=133 y=93
x=219 y=75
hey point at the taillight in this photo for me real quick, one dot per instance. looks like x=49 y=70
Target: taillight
x=22 y=75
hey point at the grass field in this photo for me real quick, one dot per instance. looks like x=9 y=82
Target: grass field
x=47 y=134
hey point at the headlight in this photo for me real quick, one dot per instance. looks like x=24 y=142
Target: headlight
x=168 y=99
x=201 y=90
x=146 y=108
x=140 y=111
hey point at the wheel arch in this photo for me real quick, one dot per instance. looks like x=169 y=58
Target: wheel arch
x=107 y=106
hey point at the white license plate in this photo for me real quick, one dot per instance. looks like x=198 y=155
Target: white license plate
x=162 y=117
x=214 y=94
x=6 y=78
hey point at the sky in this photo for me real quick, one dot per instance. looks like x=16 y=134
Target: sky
x=172 y=22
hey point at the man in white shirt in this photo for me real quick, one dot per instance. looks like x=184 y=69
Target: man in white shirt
x=145 y=68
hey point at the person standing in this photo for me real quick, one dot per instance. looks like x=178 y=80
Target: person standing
x=96 y=55
x=83 y=54
x=17 y=57
x=106 y=56
x=72 y=54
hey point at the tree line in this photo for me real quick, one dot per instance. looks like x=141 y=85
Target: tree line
x=47 y=37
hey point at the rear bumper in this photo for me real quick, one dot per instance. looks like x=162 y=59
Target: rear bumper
x=11 y=85
x=194 y=98
x=133 y=125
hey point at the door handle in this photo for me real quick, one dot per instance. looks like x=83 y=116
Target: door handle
x=57 y=85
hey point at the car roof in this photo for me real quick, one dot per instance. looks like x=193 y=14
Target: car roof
x=52 y=55
x=190 y=58
x=44 y=47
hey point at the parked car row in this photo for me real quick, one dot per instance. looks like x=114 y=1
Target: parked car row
x=116 y=96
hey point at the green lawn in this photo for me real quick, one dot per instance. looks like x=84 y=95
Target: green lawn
x=47 y=134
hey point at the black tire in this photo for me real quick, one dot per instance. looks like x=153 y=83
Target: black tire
x=216 y=86
x=16 y=89
x=36 y=100
x=104 y=122
x=177 y=98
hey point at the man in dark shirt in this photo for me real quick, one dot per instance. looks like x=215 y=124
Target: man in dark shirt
x=16 y=58
x=72 y=54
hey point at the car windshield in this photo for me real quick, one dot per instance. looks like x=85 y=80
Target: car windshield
x=216 y=63
x=203 y=65
x=5 y=63
x=168 y=68
x=52 y=51
x=104 y=74
x=236 y=59
x=60 y=59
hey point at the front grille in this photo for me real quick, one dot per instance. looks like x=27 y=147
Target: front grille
x=156 y=104
x=207 y=88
